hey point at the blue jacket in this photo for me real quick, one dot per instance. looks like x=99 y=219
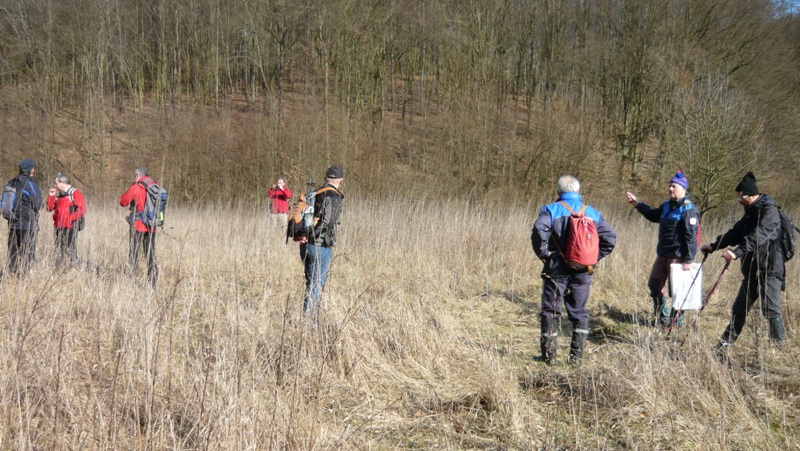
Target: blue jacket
x=678 y=226
x=548 y=234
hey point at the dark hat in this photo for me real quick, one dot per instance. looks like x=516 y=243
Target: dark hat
x=25 y=165
x=748 y=185
x=680 y=179
x=335 y=172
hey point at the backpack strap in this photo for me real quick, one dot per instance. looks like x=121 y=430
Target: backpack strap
x=571 y=211
x=71 y=197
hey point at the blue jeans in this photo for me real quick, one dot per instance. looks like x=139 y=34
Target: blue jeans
x=317 y=262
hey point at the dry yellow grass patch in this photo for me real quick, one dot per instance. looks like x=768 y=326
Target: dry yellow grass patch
x=428 y=329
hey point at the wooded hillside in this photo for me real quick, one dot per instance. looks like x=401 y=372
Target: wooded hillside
x=485 y=97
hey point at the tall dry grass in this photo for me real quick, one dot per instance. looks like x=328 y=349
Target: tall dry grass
x=426 y=339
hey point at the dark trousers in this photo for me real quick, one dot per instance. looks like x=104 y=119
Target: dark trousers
x=573 y=289
x=21 y=250
x=144 y=242
x=755 y=285
x=66 y=245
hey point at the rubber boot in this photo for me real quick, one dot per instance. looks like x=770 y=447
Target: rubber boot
x=661 y=310
x=549 y=340
x=580 y=331
x=776 y=330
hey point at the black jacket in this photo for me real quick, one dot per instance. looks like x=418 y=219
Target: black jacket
x=28 y=203
x=327 y=215
x=678 y=224
x=755 y=237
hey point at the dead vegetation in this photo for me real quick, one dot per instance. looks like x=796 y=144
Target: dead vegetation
x=426 y=341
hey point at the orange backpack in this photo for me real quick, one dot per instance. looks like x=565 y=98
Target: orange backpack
x=582 y=246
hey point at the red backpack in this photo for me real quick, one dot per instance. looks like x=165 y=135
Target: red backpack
x=582 y=246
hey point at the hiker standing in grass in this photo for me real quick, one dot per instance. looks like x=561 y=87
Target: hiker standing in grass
x=316 y=248
x=678 y=225
x=21 y=202
x=142 y=237
x=755 y=242
x=68 y=207
x=279 y=195
x=561 y=278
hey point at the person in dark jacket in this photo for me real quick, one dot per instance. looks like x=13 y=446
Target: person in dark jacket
x=561 y=280
x=68 y=207
x=678 y=225
x=23 y=225
x=754 y=240
x=316 y=249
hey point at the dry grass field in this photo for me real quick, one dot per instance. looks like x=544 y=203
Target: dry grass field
x=426 y=340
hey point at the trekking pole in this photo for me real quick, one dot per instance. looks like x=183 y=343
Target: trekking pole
x=708 y=297
x=688 y=291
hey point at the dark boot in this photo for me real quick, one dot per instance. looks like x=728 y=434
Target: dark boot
x=580 y=331
x=549 y=340
x=733 y=330
x=776 y=330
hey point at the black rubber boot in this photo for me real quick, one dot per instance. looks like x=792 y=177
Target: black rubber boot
x=580 y=331
x=776 y=330
x=549 y=340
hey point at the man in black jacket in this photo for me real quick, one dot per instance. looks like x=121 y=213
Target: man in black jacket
x=755 y=242
x=316 y=249
x=23 y=223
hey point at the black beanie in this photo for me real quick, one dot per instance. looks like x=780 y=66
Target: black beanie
x=748 y=185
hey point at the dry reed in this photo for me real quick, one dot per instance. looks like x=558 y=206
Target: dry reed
x=427 y=333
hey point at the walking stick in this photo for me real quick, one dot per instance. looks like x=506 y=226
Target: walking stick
x=680 y=309
x=708 y=297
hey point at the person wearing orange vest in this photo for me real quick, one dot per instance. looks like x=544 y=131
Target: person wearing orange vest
x=142 y=236
x=68 y=207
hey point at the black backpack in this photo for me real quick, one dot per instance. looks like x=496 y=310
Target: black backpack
x=787 y=238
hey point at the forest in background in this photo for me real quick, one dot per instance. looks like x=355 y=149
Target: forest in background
x=481 y=98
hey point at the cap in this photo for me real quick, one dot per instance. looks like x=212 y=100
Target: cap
x=335 y=172
x=25 y=165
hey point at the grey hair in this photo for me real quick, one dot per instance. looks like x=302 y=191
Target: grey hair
x=568 y=184
x=62 y=178
x=142 y=171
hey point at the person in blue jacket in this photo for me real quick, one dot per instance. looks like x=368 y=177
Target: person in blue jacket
x=559 y=278
x=678 y=226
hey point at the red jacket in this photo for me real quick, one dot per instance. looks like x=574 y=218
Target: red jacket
x=60 y=205
x=280 y=199
x=136 y=194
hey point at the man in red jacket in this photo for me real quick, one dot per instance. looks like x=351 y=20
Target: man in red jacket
x=279 y=195
x=68 y=207
x=142 y=236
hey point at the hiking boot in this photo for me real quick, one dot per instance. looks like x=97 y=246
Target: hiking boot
x=580 y=331
x=548 y=341
x=776 y=330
